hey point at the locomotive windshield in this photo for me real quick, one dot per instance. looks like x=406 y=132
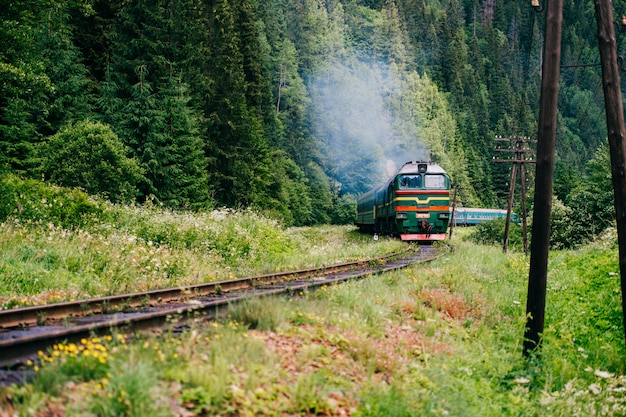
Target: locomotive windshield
x=411 y=181
x=434 y=181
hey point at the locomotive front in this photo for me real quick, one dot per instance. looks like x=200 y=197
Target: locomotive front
x=422 y=201
x=414 y=204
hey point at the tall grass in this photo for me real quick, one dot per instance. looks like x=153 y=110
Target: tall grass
x=431 y=340
x=58 y=245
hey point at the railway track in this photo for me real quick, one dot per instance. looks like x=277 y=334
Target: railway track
x=25 y=331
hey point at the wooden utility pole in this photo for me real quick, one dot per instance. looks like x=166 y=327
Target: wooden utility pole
x=521 y=151
x=542 y=214
x=452 y=221
x=611 y=82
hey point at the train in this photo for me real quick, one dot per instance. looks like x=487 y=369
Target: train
x=413 y=204
x=469 y=216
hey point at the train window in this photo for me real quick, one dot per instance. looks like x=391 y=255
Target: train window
x=434 y=181
x=411 y=181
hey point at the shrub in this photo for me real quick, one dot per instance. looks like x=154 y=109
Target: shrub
x=492 y=233
x=34 y=201
x=89 y=155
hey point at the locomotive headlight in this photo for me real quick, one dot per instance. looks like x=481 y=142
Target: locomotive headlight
x=400 y=215
x=444 y=215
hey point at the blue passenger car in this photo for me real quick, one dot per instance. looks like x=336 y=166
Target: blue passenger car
x=467 y=216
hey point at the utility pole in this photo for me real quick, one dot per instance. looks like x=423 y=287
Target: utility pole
x=611 y=82
x=452 y=221
x=521 y=151
x=542 y=214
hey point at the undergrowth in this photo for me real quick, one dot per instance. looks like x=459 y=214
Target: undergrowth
x=60 y=245
x=443 y=338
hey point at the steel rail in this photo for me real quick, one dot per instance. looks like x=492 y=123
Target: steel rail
x=33 y=315
x=18 y=345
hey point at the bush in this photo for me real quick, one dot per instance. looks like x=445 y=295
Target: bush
x=34 y=201
x=89 y=155
x=492 y=233
x=344 y=209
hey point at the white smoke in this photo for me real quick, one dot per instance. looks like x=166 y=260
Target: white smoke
x=364 y=138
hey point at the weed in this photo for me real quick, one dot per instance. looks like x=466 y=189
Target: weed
x=385 y=401
x=308 y=394
x=131 y=389
x=259 y=313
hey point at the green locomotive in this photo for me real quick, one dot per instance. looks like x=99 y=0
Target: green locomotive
x=413 y=204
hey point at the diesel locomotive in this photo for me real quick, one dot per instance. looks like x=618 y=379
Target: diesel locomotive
x=414 y=204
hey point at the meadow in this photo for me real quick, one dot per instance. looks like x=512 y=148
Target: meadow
x=443 y=338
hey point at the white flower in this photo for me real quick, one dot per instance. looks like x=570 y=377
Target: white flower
x=603 y=374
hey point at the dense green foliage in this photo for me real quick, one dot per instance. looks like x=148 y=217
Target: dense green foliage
x=58 y=243
x=91 y=156
x=441 y=338
x=294 y=107
x=31 y=201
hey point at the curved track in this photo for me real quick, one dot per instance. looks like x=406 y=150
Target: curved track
x=25 y=331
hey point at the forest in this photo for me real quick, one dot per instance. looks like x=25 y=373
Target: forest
x=294 y=107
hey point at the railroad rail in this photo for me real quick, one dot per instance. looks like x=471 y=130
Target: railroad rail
x=25 y=331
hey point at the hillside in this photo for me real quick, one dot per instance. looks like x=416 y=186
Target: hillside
x=290 y=107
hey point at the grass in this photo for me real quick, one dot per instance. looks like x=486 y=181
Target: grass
x=151 y=248
x=431 y=340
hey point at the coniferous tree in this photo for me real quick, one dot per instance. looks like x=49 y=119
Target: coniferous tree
x=235 y=132
x=182 y=178
x=70 y=100
x=392 y=38
x=156 y=119
x=93 y=29
x=24 y=85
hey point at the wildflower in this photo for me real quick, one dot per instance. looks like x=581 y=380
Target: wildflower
x=603 y=374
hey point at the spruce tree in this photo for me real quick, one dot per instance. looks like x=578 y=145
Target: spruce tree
x=234 y=131
x=24 y=85
x=70 y=101
x=157 y=120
